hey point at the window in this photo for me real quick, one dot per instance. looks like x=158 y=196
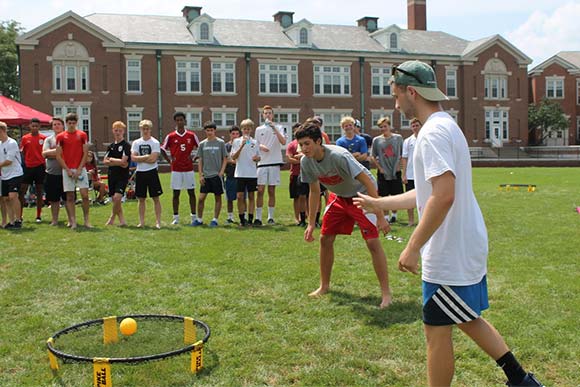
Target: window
x=393 y=44
x=70 y=68
x=223 y=77
x=331 y=80
x=204 y=31
x=451 y=82
x=495 y=87
x=578 y=91
x=285 y=118
x=332 y=122
x=577 y=129
x=555 y=87
x=82 y=109
x=405 y=122
x=303 y=36
x=497 y=124
x=134 y=75
x=278 y=79
x=380 y=81
x=188 y=76
x=193 y=120
x=133 y=119
x=57 y=77
x=378 y=114
x=224 y=118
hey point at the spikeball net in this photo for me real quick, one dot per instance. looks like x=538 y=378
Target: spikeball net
x=82 y=343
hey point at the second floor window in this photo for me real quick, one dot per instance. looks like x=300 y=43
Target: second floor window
x=70 y=78
x=133 y=75
x=451 y=82
x=188 y=77
x=555 y=87
x=278 y=79
x=223 y=77
x=331 y=80
x=495 y=87
x=380 y=81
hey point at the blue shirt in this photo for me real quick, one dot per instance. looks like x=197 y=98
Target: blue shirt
x=356 y=144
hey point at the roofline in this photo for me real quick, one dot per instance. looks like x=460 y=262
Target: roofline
x=551 y=60
x=524 y=59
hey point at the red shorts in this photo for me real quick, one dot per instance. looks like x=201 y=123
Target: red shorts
x=341 y=215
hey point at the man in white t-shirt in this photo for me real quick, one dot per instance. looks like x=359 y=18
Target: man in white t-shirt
x=451 y=237
x=271 y=138
x=145 y=152
x=408 y=174
x=11 y=168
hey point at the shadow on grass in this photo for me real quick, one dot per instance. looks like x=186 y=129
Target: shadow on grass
x=399 y=312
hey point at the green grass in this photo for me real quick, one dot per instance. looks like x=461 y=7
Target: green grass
x=250 y=286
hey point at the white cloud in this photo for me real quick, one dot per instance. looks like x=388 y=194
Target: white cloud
x=545 y=34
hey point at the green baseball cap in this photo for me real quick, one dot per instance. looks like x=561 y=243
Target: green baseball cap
x=419 y=75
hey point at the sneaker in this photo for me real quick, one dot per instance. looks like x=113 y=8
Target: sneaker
x=196 y=223
x=529 y=381
x=39 y=220
x=213 y=223
x=244 y=223
x=175 y=222
x=9 y=226
x=257 y=222
x=271 y=221
x=230 y=221
x=18 y=224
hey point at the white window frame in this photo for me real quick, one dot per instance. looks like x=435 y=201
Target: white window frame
x=60 y=77
x=552 y=86
x=332 y=75
x=134 y=116
x=204 y=33
x=499 y=82
x=82 y=110
x=269 y=71
x=451 y=81
x=380 y=76
x=193 y=117
x=133 y=72
x=376 y=114
x=224 y=117
x=191 y=69
x=331 y=118
x=503 y=120
x=223 y=69
x=303 y=36
x=405 y=122
x=393 y=38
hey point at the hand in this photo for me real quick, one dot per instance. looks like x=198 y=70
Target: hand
x=70 y=173
x=405 y=180
x=309 y=233
x=256 y=158
x=409 y=261
x=383 y=225
x=367 y=203
x=202 y=180
x=264 y=148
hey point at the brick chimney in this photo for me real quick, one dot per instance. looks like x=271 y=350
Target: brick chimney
x=417 y=15
x=369 y=23
x=286 y=19
x=190 y=13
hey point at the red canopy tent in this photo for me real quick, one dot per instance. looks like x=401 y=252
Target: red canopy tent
x=16 y=114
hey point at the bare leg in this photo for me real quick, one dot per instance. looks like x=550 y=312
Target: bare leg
x=3 y=211
x=218 y=206
x=411 y=215
x=54 y=210
x=13 y=207
x=326 y=262
x=142 y=207
x=380 y=266
x=440 y=361
x=21 y=194
x=175 y=201
x=86 y=206
x=201 y=205
x=486 y=336
x=39 y=200
x=260 y=198
x=192 y=200
x=241 y=203
x=296 y=205
x=71 y=210
x=251 y=202
x=271 y=196
x=157 y=206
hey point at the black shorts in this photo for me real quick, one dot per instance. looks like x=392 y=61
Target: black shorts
x=11 y=185
x=409 y=185
x=297 y=187
x=147 y=180
x=213 y=185
x=117 y=184
x=53 y=188
x=389 y=187
x=244 y=184
x=34 y=175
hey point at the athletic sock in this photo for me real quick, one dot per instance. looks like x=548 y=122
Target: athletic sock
x=193 y=217
x=38 y=212
x=242 y=218
x=250 y=218
x=259 y=213
x=512 y=368
x=175 y=216
x=271 y=212
x=303 y=216
x=231 y=215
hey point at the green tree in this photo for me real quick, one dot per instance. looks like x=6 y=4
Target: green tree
x=9 y=84
x=543 y=118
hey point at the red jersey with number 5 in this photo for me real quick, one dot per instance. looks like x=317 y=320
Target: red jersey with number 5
x=180 y=146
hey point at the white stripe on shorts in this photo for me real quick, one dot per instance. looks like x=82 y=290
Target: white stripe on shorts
x=453 y=306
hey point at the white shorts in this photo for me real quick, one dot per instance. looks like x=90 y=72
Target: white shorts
x=70 y=185
x=182 y=180
x=269 y=175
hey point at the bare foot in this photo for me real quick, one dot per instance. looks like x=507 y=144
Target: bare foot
x=73 y=226
x=122 y=224
x=139 y=225
x=88 y=225
x=157 y=226
x=387 y=300
x=54 y=223
x=318 y=292
x=110 y=222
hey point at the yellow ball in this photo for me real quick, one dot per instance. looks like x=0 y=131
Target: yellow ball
x=128 y=326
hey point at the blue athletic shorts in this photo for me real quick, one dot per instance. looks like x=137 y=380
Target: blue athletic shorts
x=450 y=305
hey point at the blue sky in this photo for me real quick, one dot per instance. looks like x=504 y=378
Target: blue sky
x=537 y=27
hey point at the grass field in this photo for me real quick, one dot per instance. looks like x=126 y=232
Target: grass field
x=250 y=286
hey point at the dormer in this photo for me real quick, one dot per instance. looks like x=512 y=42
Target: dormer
x=389 y=38
x=300 y=33
x=202 y=28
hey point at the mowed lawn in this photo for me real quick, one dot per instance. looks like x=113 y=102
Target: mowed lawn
x=250 y=286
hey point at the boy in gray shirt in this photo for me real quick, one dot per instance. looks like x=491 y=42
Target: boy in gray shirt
x=339 y=171
x=212 y=165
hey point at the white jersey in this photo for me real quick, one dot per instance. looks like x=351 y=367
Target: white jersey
x=265 y=136
x=456 y=254
x=9 y=151
x=245 y=166
x=408 y=148
x=142 y=147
